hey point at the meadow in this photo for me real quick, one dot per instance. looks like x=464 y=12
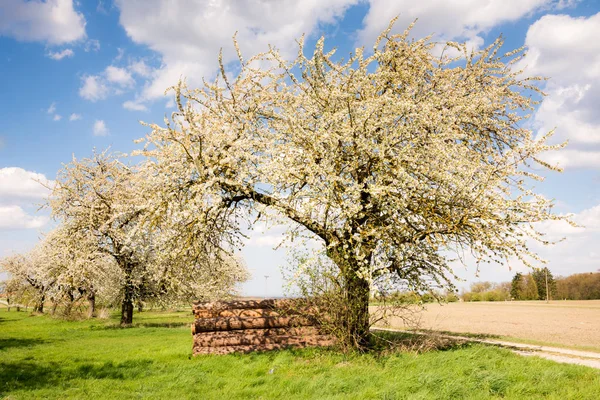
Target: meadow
x=45 y=357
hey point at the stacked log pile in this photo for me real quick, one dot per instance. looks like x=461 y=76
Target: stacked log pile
x=252 y=325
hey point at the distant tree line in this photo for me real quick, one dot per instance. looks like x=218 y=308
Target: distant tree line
x=585 y=286
x=415 y=297
x=487 y=291
x=532 y=286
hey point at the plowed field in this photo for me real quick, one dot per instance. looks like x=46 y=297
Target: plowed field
x=571 y=323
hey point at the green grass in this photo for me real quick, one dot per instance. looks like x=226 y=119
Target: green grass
x=42 y=357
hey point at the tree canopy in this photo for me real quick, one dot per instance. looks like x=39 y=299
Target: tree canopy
x=395 y=158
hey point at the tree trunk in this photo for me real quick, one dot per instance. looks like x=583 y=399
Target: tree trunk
x=357 y=327
x=39 y=306
x=127 y=305
x=140 y=306
x=70 y=301
x=91 y=304
x=356 y=322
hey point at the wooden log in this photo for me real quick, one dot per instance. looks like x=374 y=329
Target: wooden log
x=300 y=330
x=242 y=313
x=236 y=349
x=245 y=304
x=245 y=339
x=250 y=348
x=237 y=323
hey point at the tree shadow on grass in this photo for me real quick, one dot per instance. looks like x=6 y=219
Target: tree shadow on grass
x=127 y=369
x=26 y=375
x=470 y=335
x=386 y=342
x=146 y=325
x=8 y=343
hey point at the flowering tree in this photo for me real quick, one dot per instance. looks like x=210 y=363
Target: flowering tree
x=80 y=269
x=103 y=206
x=94 y=198
x=29 y=279
x=392 y=160
x=63 y=267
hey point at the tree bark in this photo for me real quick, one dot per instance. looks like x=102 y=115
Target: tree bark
x=91 y=304
x=127 y=305
x=39 y=306
x=71 y=300
x=357 y=327
x=356 y=322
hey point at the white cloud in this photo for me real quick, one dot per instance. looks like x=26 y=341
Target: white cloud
x=21 y=188
x=19 y=184
x=100 y=8
x=463 y=20
x=189 y=46
x=52 y=108
x=120 y=54
x=566 y=50
x=100 y=128
x=140 y=68
x=14 y=217
x=93 y=88
x=568 y=158
x=74 y=117
x=577 y=253
x=112 y=81
x=91 y=45
x=134 y=106
x=120 y=76
x=265 y=240
x=52 y=21
x=62 y=54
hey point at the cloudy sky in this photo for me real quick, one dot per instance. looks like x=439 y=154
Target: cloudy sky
x=81 y=75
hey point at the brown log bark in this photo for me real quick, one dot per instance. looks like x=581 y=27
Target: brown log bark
x=244 y=304
x=301 y=330
x=251 y=348
x=252 y=340
x=236 y=323
x=243 y=313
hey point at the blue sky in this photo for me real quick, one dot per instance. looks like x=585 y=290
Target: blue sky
x=81 y=75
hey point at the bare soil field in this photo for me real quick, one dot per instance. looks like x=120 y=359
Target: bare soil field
x=570 y=323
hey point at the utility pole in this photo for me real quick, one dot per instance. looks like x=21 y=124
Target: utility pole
x=547 y=292
x=546 y=268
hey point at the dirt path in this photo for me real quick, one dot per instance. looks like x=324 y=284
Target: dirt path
x=567 y=356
